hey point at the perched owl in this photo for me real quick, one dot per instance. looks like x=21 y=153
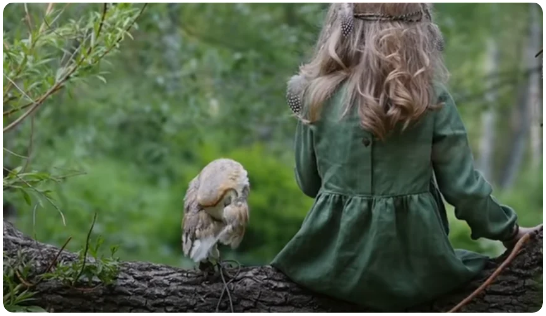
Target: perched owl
x=215 y=210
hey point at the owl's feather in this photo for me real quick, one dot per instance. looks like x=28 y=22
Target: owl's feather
x=294 y=93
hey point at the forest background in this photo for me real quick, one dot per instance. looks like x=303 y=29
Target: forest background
x=143 y=111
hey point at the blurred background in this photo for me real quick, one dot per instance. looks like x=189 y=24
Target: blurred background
x=194 y=82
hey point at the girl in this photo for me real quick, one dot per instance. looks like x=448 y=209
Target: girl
x=378 y=138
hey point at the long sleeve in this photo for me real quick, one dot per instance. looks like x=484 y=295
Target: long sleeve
x=306 y=171
x=463 y=186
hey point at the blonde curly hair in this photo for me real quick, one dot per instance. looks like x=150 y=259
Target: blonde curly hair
x=388 y=55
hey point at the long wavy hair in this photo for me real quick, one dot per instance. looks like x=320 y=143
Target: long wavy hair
x=387 y=65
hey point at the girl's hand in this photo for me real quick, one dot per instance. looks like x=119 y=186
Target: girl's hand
x=521 y=231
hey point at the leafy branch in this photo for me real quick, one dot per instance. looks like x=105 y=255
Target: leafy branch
x=22 y=182
x=99 y=46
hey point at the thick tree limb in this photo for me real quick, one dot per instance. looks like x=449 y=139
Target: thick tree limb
x=148 y=287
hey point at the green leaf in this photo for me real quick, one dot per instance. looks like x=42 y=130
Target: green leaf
x=101 y=78
x=113 y=249
x=39 y=175
x=48 y=193
x=15 y=171
x=26 y=197
x=34 y=309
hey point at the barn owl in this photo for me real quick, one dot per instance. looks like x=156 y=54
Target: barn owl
x=215 y=210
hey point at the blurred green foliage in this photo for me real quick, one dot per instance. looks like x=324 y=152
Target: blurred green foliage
x=204 y=81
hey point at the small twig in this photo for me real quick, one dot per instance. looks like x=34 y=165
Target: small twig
x=20 y=90
x=30 y=143
x=29 y=21
x=77 y=173
x=16 y=155
x=104 y=9
x=492 y=277
x=47 y=12
x=57 y=256
x=48 y=24
x=49 y=8
x=138 y=16
x=8 y=112
x=23 y=281
x=85 y=249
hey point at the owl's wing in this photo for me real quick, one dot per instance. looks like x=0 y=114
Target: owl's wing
x=190 y=199
x=191 y=219
x=199 y=228
x=200 y=235
x=236 y=216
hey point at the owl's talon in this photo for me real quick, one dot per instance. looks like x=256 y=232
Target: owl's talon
x=206 y=266
x=208 y=271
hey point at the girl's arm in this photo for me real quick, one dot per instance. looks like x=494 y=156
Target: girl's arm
x=462 y=186
x=306 y=171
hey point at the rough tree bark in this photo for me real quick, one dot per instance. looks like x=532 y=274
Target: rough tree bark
x=148 y=287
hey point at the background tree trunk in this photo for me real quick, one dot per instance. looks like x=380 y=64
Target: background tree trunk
x=487 y=143
x=526 y=98
x=148 y=287
x=535 y=86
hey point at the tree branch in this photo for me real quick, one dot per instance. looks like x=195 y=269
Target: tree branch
x=148 y=287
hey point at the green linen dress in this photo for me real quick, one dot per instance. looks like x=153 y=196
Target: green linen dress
x=377 y=233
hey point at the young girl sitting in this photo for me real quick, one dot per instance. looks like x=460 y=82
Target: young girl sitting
x=378 y=138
